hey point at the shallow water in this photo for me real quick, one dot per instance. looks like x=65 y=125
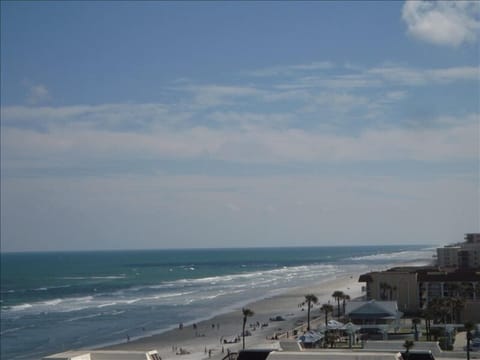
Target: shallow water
x=52 y=302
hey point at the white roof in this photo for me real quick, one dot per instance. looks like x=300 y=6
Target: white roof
x=336 y=355
x=397 y=345
x=372 y=308
x=102 y=355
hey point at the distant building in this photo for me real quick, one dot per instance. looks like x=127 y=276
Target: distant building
x=457 y=275
x=447 y=256
x=472 y=238
x=465 y=255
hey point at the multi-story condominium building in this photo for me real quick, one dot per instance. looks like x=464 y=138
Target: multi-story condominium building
x=465 y=255
x=441 y=284
x=447 y=256
x=399 y=284
x=457 y=275
x=414 y=287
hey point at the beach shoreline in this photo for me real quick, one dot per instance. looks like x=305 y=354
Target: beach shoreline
x=207 y=339
x=213 y=337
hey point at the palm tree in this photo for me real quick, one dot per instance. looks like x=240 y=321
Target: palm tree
x=345 y=298
x=246 y=313
x=457 y=306
x=383 y=286
x=439 y=308
x=408 y=344
x=337 y=295
x=469 y=326
x=436 y=332
x=393 y=289
x=415 y=323
x=428 y=316
x=310 y=299
x=326 y=308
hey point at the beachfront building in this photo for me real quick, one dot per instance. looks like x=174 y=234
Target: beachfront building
x=374 y=317
x=105 y=355
x=439 y=284
x=398 y=284
x=447 y=256
x=465 y=255
x=461 y=284
x=414 y=287
x=456 y=275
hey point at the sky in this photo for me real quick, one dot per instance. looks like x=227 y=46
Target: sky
x=142 y=125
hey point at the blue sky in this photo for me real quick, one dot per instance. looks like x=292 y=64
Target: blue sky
x=226 y=124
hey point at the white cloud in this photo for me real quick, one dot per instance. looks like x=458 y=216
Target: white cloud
x=257 y=141
x=232 y=207
x=245 y=120
x=37 y=94
x=416 y=77
x=214 y=95
x=131 y=117
x=451 y=23
x=379 y=76
x=291 y=69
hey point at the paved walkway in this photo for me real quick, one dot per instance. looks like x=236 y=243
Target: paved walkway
x=460 y=341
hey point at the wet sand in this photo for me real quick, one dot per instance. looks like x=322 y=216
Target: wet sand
x=208 y=337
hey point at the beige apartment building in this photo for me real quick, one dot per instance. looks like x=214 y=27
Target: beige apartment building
x=414 y=287
x=465 y=255
x=398 y=284
x=456 y=274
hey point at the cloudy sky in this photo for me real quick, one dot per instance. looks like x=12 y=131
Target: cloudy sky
x=230 y=124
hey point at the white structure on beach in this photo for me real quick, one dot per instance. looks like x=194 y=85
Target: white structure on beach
x=105 y=355
x=373 y=312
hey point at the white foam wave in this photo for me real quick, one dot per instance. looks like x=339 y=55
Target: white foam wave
x=12 y=330
x=186 y=291
x=20 y=307
x=107 y=277
x=406 y=255
x=107 y=304
x=84 y=317
x=54 y=305
x=46 y=288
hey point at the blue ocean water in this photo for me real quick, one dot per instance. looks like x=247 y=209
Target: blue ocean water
x=57 y=301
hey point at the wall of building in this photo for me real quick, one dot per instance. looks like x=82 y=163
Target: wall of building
x=402 y=287
x=448 y=256
x=471 y=312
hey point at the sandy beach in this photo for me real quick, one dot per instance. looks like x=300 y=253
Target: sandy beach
x=207 y=337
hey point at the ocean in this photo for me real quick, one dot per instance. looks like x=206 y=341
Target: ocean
x=51 y=302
